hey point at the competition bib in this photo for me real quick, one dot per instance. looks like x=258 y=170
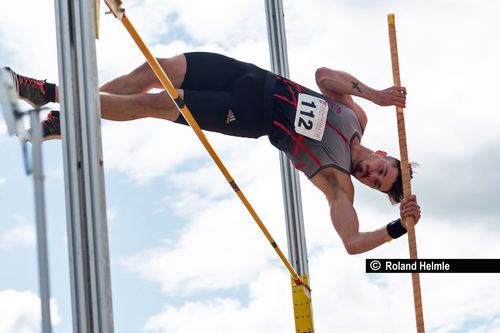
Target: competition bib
x=310 y=119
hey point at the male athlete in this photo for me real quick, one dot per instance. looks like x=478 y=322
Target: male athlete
x=320 y=133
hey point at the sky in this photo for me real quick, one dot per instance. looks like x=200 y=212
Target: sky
x=186 y=256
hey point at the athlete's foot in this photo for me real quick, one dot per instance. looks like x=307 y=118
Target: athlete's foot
x=51 y=128
x=36 y=92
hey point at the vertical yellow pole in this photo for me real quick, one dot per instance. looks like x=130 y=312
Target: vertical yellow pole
x=97 y=16
x=405 y=173
x=302 y=307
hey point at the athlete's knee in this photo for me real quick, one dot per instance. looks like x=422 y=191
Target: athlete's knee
x=161 y=100
x=175 y=68
x=172 y=62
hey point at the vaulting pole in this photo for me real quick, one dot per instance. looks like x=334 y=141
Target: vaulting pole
x=119 y=12
x=409 y=222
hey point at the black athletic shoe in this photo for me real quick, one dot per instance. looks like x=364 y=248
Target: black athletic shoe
x=30 y=90
x=51 y=128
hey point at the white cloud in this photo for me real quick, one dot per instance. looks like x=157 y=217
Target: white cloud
x=270 y=303
x=111 y=214
x=23 y=45
x=202 y=259
x=148 y=148
x=340 y=287
x=21 y=312
x=156 y=19
x=3 y=130
x=2 y=181
x=18 y=235
x=221 y=231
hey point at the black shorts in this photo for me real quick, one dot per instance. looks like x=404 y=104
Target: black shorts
x=226 y=95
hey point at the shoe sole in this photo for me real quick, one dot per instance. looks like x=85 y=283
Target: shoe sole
x=30 y=102
x=52 y=137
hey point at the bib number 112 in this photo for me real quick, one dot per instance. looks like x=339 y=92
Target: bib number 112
x=310 y=118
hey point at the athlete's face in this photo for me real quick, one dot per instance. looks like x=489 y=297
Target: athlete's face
x=376 y=171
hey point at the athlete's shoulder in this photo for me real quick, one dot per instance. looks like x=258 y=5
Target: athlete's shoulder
x=334 y=183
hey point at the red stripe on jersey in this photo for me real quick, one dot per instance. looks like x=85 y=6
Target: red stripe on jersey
x=298 y=144
x=287 y=131
x=300 y=166
x=338 y=132
x=288 y=83
x=286 y=99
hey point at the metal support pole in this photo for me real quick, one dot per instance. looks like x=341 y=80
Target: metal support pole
x=13 y=118
x=289 y=177
x=41 y=230
x=83 y=168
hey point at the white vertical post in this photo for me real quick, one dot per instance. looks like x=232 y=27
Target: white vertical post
x=83 y=168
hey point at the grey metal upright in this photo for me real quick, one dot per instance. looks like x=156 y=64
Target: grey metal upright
x=83 y=168
x=41 y=229
x=13 y=118
x=289 y=176
x=302 y=305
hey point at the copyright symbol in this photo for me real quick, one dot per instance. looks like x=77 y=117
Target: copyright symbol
x=375 y=265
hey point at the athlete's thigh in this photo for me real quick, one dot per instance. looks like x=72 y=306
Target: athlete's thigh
x=212 y=71
x=221 y=112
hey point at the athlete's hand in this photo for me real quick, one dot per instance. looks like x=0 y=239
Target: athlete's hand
x=391 y=96
x=409 y=207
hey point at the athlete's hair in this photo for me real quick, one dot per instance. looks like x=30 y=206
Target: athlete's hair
x=395 y=193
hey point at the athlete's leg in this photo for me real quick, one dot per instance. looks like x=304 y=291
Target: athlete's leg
x=137 y=106
x=142 y=79
x=207 y=71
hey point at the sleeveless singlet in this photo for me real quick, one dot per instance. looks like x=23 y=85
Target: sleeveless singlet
x=309 y=155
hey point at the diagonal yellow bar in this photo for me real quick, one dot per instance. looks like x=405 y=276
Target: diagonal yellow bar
x=119 y=12
x=405 y=173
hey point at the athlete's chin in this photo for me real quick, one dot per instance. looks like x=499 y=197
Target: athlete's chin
x=357 y=175
x=358 y=172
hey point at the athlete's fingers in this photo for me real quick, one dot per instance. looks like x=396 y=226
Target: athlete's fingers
x=412 y=212
x=398 y=101
x=410 y=198
x=398 y=96
x=400 y=89
x=409 y=207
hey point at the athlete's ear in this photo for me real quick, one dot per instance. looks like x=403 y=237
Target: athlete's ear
x=381 y=153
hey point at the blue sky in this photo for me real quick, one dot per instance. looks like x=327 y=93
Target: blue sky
x=185 y=255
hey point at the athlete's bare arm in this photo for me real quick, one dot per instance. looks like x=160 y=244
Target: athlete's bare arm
x=339 y=192
x=341 y=85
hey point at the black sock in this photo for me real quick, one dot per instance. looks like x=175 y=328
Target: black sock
x=50 y=92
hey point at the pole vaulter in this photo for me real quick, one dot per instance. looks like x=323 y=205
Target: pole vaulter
x=119 y=12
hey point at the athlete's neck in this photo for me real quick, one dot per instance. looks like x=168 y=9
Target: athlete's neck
x=358 y=152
